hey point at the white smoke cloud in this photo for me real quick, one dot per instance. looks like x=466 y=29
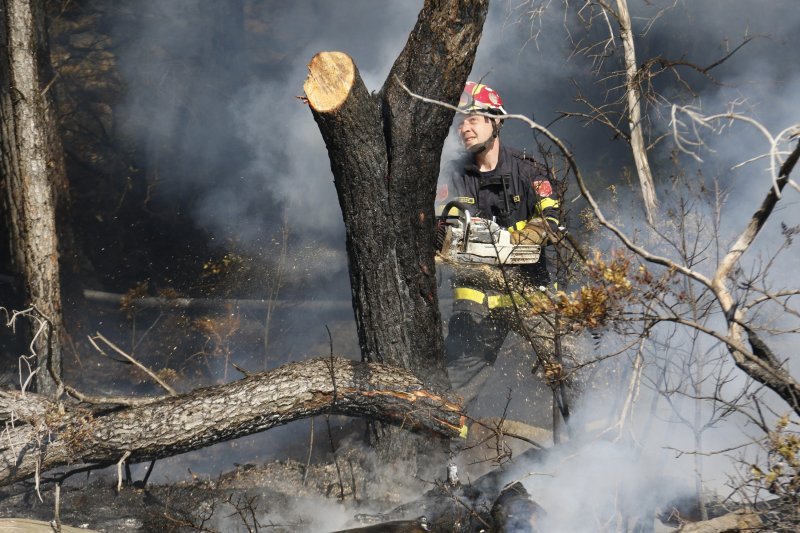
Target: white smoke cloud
x=278 y=162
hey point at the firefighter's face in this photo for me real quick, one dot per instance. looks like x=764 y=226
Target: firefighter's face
x=474 y=130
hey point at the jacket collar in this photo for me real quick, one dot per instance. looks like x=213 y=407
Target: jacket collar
x=503 y=158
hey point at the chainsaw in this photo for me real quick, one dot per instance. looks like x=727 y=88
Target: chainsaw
x=465 y=239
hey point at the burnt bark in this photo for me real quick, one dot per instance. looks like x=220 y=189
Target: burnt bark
x=46 y=434
x=31 y=174
x=384 y=151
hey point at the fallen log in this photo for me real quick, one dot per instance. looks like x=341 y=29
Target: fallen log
x=147 y=302
x=41 y=434
x=24 y=525
x=397 y=526
x=738 y=521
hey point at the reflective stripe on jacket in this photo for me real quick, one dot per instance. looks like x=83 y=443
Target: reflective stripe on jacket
x=516 y=191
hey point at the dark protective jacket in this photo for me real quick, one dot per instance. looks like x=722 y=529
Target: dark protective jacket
x=517 y=190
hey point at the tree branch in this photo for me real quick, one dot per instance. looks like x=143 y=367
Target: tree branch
x=633 y=95
x=757 y=221
x=46 y=435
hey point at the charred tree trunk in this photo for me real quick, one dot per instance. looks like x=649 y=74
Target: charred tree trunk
x=384 y=150
x=31 y=171
x=45 y=435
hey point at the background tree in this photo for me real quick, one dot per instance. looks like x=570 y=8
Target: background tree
x=32 y=177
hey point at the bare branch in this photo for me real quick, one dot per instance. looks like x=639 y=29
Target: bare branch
x=663 y=261
x=758 y=219
x=634 y=96
x=759 y=363
x=139 y=365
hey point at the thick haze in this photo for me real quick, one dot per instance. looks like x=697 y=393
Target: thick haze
x=212 y=100
x=212 y=96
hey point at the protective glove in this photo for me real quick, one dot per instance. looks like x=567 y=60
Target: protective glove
x=535 y=232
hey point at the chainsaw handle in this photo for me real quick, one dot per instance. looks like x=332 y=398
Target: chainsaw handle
x=451 y=204
x=464 y=212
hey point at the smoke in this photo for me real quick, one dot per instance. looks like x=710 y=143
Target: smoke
x=211 y=91
x=211 y=94
x=212 y=100
x=212 y=103
x=617 y=470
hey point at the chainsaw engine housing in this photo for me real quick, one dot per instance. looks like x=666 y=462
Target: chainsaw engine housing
x=472 y=240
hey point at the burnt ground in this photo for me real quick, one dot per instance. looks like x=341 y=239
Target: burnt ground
x=191 y=348
x=348 y=489
x=265 y=481
x=331 y=492
x=276 y=496
x=282 y=496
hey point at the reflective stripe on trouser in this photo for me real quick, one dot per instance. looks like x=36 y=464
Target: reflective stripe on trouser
x=476 y=333
x=467 y=298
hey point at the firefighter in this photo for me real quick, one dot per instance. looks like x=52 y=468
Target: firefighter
x=506 y=185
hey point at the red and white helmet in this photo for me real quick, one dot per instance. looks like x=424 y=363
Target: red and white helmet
x=479 y=98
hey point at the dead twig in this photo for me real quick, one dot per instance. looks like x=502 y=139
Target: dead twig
x=56 y=523
x=110 y=400
x=119 y=470
x=328 y=419
x=136 y=363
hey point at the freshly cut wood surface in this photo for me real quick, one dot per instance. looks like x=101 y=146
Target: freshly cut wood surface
x=330 y=78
